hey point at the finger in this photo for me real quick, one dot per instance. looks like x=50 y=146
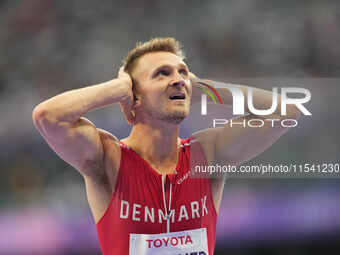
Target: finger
x=192 y=75
x=121 y=71
x=193 y=78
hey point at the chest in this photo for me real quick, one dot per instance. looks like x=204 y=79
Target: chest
x=147 y=200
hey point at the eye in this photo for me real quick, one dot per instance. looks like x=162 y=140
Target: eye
x=183 y=71
x=163 y=72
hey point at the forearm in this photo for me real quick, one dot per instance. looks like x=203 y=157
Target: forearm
x=71 y=105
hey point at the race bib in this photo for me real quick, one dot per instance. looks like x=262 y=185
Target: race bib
x=189 y=242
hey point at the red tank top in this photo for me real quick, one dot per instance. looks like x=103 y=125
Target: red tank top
x=142 y=197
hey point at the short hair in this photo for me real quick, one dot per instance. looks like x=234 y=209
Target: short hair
x=167 y=44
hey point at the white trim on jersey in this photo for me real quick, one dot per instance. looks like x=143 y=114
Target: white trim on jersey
x=191 y=142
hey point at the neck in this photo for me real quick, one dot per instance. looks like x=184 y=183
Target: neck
x=157 y=143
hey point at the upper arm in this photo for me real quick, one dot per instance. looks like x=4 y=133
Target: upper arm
x=235 y=145
x=239 y=143
x=79 y=143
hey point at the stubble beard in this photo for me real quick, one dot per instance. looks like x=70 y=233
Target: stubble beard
x=170 y=117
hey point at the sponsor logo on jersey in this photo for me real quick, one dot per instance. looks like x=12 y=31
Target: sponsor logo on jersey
x=173 y=241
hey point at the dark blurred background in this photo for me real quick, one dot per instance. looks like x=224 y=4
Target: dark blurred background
x=48 y=47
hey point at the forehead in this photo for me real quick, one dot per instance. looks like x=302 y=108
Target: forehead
x=151 y=61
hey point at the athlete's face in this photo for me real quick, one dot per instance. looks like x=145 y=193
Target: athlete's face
x=164 y=88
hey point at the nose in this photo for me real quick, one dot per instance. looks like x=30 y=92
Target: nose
x=178 y=83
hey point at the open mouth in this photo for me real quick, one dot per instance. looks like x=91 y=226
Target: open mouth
x=177 y=96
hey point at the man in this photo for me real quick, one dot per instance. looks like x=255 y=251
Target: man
x=139 y=189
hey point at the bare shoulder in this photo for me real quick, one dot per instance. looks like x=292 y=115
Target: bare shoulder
x=99 y=189
x=112 y=154
x=207 y=140
x=105 y=135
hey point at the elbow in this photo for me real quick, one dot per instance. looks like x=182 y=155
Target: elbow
x=41 y=116
x=37 y=115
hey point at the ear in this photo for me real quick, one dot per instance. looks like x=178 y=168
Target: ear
x=136 y=95
x=128 y=113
